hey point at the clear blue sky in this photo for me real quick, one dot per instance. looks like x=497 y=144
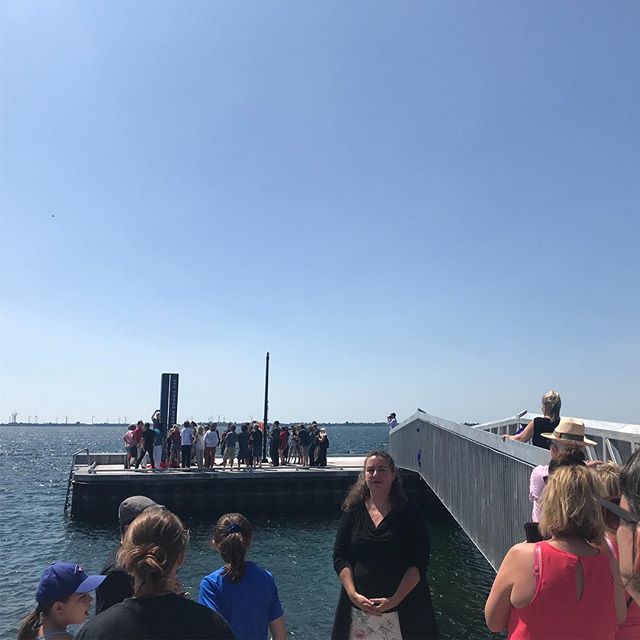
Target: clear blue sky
x=409 y=204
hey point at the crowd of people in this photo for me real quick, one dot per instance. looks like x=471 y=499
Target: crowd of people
x=242 y=445
x=577 y=577
x=140 y=597
x=584 y=513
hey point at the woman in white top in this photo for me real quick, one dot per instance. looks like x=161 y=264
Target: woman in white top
x=199 y=447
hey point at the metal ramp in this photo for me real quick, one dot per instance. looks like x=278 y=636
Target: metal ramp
x=484 y=481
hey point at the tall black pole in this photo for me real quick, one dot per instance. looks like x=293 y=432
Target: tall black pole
x=266 y=411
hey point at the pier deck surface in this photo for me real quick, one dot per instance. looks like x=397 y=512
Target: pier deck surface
x=336 y=465
x=99 y=488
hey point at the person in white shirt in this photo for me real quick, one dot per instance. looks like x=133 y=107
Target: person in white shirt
x=186 y=442
x=391 y=419
x=199 y=447
x=211 y=442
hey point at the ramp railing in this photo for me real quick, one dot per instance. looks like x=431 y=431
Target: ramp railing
x=481 y=480
x=484 y=481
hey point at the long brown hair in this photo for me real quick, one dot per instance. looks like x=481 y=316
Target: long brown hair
x=152 y=545
x=359 y=492
x=232 y=537
x=32 y=622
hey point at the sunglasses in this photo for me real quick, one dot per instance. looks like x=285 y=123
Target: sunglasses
x=613 y=513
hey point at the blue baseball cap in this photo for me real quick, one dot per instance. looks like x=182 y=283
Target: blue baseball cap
x=62 y=579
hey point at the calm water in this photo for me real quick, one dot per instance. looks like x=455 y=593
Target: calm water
x=34 y=465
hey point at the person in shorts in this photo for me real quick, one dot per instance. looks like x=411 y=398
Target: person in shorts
x=230 y=446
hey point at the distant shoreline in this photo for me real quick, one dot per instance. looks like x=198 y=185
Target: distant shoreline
x=125 y=425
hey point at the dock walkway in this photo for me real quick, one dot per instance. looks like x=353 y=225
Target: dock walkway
x=100 y=482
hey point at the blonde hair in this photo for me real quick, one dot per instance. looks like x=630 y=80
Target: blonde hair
x=609 y=475
x=551 y=404
x=152 y=546
x=570 y=505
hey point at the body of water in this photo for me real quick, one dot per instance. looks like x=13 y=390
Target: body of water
x=34 y=465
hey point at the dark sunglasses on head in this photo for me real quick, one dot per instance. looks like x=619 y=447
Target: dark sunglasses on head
x=613 y=513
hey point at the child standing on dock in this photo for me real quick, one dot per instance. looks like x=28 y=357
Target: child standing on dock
x=242 y=592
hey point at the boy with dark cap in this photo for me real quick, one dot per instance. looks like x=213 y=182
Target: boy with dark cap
x=118 y=584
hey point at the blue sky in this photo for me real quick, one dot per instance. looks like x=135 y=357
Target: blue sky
x=430 y=204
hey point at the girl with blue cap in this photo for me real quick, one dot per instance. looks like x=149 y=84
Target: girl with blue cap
x=63 y=598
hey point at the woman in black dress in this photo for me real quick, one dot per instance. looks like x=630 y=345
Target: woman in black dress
x=322 y=445
x=381 y=555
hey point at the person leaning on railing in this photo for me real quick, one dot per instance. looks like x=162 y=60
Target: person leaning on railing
x=551 y=404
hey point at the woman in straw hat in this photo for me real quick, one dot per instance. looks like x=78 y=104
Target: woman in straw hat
x=567 y=439
x=567 y=587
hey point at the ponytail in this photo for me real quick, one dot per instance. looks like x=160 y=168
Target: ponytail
x=154 y=543
x=30 y=625
x=232 y=537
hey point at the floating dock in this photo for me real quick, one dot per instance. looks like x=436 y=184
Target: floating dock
x=100 y=482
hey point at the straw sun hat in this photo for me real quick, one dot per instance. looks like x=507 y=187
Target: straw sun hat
x=569 y=431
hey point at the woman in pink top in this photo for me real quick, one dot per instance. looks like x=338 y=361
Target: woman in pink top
x=130 y=446
x=567 y=587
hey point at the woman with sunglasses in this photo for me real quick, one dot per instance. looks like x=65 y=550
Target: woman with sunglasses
x=567 y=587
x=628 y=533
x=609 y=475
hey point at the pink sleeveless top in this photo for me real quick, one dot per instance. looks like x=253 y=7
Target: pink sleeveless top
x=554 y=611
x=630 y=628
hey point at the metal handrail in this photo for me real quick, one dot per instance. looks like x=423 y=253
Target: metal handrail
x=71 y=470
x=481 y=479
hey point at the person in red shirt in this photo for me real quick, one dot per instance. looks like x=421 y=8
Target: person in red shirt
x=571 y=572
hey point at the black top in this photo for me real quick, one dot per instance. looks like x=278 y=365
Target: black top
x=149 y=436
x=243 y=441
x=168 y=617
x=379 y=557
x=256 y=440
x=305 y=438
x=542 y=425
x=117 y=586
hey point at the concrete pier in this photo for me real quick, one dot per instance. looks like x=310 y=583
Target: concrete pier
x=99 y=487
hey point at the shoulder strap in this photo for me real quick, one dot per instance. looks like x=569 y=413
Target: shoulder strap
x=537 y=565
x=611 y=547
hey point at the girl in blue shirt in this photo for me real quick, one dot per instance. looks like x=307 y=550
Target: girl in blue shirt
x=241 y=591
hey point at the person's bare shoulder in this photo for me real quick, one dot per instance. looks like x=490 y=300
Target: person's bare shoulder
x=521 y=555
